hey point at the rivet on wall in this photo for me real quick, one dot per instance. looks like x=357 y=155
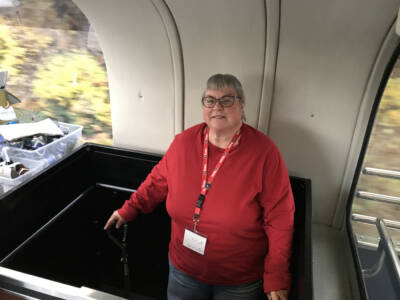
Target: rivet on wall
x=140 y=95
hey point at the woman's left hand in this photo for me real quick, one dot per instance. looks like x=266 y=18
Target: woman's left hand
x=278 y=295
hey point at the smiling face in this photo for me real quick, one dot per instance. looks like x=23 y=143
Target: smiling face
x=223 y=120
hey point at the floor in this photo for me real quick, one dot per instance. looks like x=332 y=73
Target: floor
x=331 y=275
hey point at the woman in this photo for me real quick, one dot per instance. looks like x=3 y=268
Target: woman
x=231 y=205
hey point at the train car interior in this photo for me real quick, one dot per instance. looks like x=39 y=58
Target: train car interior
x=123 y=78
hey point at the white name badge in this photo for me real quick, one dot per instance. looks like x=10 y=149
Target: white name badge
x=194 y=241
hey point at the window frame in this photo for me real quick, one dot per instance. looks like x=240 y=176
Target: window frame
x=367 y=137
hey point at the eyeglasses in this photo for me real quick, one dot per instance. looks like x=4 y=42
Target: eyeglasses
x=225 y=101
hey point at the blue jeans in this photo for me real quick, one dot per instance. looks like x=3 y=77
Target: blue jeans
x=184 y=287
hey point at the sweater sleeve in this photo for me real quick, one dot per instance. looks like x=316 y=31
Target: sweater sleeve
x=278 y=204
x=151 y=192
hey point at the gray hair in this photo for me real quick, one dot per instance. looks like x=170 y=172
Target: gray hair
x=220 y=81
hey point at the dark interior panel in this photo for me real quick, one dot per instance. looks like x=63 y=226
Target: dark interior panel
x=53 y=226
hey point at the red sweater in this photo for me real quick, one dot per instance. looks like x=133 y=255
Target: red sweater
x=247 y=215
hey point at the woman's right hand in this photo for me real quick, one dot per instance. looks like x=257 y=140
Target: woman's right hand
x=115 y=218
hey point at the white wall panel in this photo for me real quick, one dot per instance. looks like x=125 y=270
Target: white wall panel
x=225 y=36
x=140 y=71
x=326 y=52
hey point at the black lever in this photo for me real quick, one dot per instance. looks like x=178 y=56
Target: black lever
x=123 y=245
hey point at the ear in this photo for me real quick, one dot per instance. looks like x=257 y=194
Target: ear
x=243 y=114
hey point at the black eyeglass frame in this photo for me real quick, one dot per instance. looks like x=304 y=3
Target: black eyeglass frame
x=219 y=100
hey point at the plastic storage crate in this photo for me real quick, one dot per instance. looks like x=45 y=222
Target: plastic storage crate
x=55 y=150
x=35 y=166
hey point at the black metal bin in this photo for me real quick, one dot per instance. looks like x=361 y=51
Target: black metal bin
x=52 y=228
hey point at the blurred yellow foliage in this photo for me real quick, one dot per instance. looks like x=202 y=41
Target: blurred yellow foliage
x=43 y=48
x=382 y=152
x=77 y=84
x=11 y=53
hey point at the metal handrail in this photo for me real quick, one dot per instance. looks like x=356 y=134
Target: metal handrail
x=385 y=238
x=373 y=220
x=382 y=172
x=388 y=244
x=363 y=218
x=378 y=197
x=381 y=224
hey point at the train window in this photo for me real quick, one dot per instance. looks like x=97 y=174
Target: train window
x=55 y=65
x=375 y=211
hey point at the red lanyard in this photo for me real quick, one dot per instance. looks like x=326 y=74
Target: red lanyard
x=206 y=184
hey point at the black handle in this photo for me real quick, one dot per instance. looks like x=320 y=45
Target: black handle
x=124 y=249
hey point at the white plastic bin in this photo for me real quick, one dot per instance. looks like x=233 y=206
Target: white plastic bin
x=54 y=150
x=35 y=166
